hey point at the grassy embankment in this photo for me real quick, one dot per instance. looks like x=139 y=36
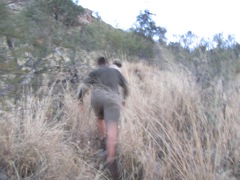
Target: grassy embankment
x=170 y=129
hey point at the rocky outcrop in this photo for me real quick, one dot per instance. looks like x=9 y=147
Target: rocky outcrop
x=58 y=68
x=85 y=18
x=16 y=5
x=23 y=63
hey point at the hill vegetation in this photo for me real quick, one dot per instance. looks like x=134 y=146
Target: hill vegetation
x=181 y=120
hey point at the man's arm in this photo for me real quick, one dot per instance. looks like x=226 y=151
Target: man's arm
x=84 y=86
x=124 y=85
x=82 y=89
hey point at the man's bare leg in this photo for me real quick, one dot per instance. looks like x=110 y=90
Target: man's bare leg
x=101 y=128
x=102 y=132
x=112 y=133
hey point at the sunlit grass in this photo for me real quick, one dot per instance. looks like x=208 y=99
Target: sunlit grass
x=168 y=130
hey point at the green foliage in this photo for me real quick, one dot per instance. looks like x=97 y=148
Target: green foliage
x=45 y=25
x=93 y=36
x=223 y=43
x=99 y=36
x=9 y=26
x=4 y=14
x=187 y=40
x=147 y=28
x=35 y=32
x=139 y=46
x=65 y=11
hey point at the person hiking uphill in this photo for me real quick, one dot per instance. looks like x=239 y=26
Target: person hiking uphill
x=106 y=102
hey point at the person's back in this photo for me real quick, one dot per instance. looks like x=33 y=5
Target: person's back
x=107 y=79
x=104 y=78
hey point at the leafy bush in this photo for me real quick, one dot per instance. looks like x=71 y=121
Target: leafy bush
x=65 y=10
x=99 y=36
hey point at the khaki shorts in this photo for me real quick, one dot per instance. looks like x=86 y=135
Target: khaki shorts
x=106 y=105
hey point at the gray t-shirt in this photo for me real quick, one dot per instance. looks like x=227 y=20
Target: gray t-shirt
x=104 y=78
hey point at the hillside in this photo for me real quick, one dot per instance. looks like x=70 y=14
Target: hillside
x=181 y=120
x=48 y=38
x=170 y=128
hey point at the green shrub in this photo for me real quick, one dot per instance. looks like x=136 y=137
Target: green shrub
x=99 y=36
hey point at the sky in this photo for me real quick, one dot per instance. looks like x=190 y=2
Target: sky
x=204 y=18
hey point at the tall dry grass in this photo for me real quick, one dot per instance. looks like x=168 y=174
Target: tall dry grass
x=170 y=129
x=171 y=132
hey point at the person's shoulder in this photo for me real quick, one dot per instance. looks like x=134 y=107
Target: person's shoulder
x=107 y=69
x=115 y=71
x=102 y=70
x=94 y=72
x=113 y=66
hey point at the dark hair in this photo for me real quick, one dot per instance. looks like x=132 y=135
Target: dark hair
x=117 y=62
x=101 y=61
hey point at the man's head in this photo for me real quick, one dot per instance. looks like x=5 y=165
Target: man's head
x=102 y=61
x=117 y=62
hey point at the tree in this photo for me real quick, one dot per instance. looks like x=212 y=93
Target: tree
x=219 y=40
x=204 y=44
x=65 y=11
x=231 y=41
x=147 y=28
x=224 y=43
x=187 y=40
